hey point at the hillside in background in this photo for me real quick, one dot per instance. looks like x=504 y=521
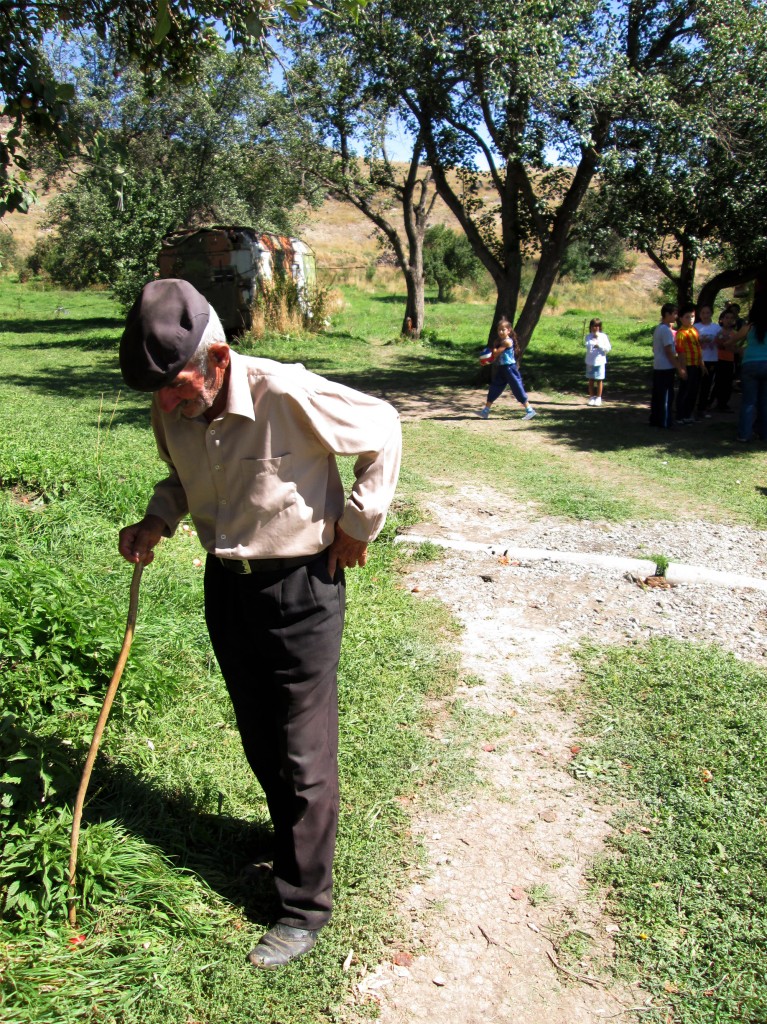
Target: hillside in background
x=345 y=244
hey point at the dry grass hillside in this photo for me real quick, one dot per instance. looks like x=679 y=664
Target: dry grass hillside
x=26 y=228
x=343 y=237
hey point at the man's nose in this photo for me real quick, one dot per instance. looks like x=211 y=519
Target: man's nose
x=168 y=399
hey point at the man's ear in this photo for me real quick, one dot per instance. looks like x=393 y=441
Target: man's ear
x=219 y=353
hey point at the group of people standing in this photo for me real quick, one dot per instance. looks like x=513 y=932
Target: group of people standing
x=688 y=344
x=703 y=355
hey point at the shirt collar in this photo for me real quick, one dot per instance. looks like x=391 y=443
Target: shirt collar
x=239 y=399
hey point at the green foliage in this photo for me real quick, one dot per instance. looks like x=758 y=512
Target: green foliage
x=335 y=128
x=597 y=251
x=502 y=85
x=709 y=200
x=98 y=243
x=686 y=727
x=667 y=290
x=166 y=40
x=448 y=260
x=162 y=160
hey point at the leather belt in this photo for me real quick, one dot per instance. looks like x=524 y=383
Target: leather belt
x=246 y=566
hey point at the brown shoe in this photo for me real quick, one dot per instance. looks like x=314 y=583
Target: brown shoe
x=280 y=945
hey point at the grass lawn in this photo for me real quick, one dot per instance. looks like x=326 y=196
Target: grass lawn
x=574 y=461
x=173 y=813
x=681 y=732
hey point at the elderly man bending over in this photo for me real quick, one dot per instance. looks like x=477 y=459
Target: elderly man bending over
x=251 y=447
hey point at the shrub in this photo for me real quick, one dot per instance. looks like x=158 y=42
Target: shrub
x=595 y=251
x=9 y=251
x=448 y=260
x=284 y=308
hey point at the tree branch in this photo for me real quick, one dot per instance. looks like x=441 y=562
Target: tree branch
x=674 y=29
x=660 y=264
x=729 y=279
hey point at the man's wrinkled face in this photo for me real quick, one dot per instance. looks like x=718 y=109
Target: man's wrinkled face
x=192 y=393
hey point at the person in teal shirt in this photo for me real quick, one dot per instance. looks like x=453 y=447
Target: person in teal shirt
x=753 y=373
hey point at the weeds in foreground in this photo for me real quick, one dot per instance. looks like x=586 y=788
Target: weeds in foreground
x=662 y=563
x=102 y=441
x=685 y=731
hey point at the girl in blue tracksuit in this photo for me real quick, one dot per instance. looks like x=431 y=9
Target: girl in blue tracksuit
x=506 y=371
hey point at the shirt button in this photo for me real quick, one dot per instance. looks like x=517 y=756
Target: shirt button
x=213 y=432
x=218 y=467
x=223 y=536
x=223 y=501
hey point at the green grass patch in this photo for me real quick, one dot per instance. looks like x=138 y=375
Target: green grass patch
x=508 y=463
x=681 y=732
x=699 y=472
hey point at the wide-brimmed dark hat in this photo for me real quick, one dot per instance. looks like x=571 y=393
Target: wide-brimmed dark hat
x=162 y=332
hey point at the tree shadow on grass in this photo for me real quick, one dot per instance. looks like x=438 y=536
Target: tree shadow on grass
x=74 y=383
x=401 y=300
x=62 y=327
x=221 y=849
x=411 y=373
x=622 y=426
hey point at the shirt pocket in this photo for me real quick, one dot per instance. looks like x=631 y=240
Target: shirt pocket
x=268 y=486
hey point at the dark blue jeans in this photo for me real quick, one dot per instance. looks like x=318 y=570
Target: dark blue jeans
x=507 y=374
x=753 y=399
x=688 y=393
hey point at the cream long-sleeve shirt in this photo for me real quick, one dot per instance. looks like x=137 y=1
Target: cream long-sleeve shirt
x=261 y=480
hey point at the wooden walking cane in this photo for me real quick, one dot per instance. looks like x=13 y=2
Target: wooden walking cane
x=102 y=721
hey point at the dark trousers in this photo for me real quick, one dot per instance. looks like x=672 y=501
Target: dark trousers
x=503 y=374
x=662 y=401
x=688 y=393
x=277 y=639
x=725 y=374
x=753 y=400
x=707 y=387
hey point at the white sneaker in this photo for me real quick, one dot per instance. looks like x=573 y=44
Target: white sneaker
x=597 y=401
x=592 y=401
x=529 y=413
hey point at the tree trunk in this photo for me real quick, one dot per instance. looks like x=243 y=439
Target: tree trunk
x=553 y=249
x=729 y=279
x=412 y=323
x=543 y=282
x=686 y=279
x=507 y=297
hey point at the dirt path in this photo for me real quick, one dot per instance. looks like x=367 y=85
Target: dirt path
x=503 y=927
x=502 y=894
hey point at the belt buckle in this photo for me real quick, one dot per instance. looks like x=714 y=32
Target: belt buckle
x=246 y=569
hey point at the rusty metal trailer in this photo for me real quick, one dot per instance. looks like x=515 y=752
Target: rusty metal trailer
x=230 y=265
